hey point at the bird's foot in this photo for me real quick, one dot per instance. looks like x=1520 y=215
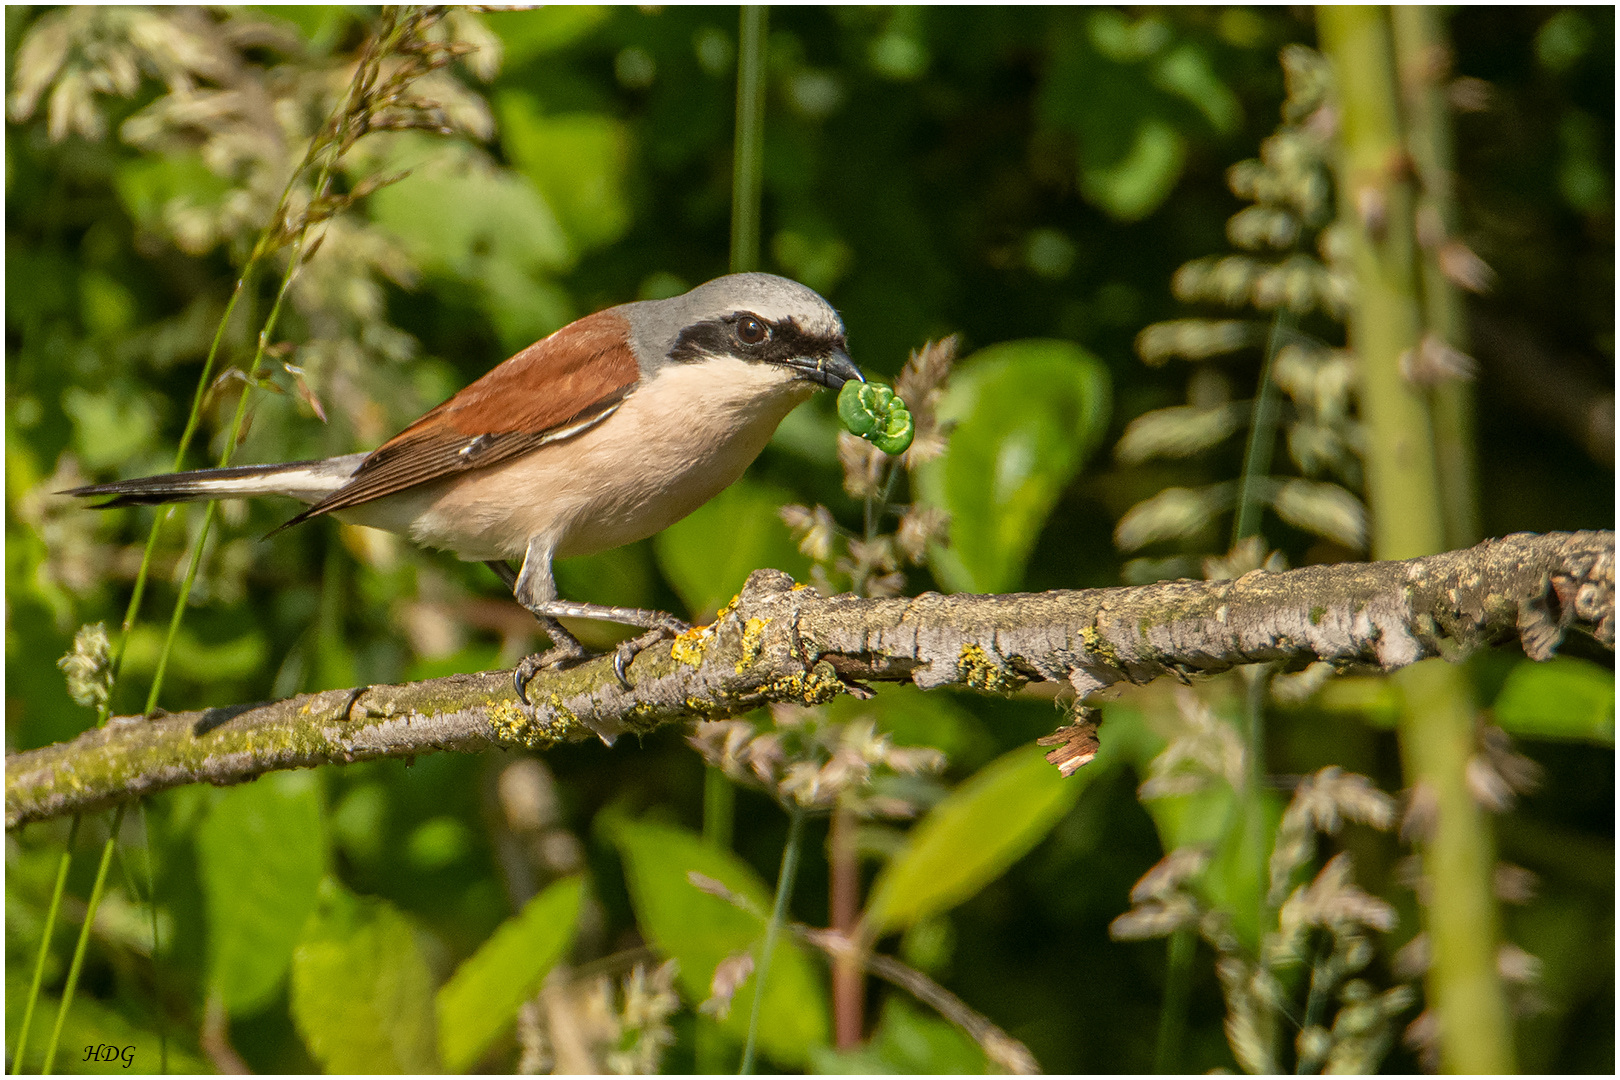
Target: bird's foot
x=559 y=655
x=627 y=651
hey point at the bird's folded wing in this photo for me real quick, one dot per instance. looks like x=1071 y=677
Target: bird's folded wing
x=553 y=390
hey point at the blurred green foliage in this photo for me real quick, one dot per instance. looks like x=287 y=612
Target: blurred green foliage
x=1027 y=177
x=700 y=930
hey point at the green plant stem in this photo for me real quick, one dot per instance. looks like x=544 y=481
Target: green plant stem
x=45 y=945
x=1422 y=56
x=1262 y=435
x=84 y=940
x=749 y=154
x=1404 y=494
x=1177 y=993
x=773 y=930
x=719 y=809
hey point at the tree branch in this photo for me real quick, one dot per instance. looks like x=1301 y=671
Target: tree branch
x=783 y=642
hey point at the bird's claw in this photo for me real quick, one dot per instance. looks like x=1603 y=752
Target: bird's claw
x=530 y=666
x=628 y=650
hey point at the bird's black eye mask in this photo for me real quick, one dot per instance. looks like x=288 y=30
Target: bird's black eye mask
x=784 y=341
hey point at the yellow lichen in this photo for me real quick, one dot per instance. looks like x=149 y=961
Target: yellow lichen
x=975 y=668
x=753 y=642
x=818 y=687
x=536 y=730
x=508 y=721
x=690 y=645
x=1097 y=645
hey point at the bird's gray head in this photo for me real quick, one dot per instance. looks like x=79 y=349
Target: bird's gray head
x=759 y=318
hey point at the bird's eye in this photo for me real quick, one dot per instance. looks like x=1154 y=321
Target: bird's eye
x=750 y=331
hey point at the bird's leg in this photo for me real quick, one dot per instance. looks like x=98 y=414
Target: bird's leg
x=658 y=624
x=533 y=587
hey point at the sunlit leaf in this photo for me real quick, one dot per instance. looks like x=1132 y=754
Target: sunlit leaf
x=261 y=852
x=971 y=838
x=362 y=995
x=483 y=995
x=708 y=554
x=1027 y=414
x=700 y=930
x=1562 y=698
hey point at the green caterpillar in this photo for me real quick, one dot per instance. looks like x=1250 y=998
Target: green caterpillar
x=876 y=415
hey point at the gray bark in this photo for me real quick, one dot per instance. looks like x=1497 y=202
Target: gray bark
x=782 y=642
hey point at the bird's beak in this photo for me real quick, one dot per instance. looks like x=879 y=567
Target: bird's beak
x=832 y=370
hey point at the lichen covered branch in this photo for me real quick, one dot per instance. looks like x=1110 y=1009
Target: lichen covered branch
x=784 y=642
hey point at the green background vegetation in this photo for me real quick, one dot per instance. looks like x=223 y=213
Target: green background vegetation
x=1011 y=175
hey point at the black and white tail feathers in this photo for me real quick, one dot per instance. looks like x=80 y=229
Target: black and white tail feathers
x=306 y=481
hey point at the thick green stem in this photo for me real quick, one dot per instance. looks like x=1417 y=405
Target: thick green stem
x=44 y=946
x=773 y=930
x=749 y=154
x=1423 y=61
x=84 y=940
x=1404 y=493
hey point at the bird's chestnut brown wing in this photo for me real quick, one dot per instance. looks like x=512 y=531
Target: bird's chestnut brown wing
x=557 y=387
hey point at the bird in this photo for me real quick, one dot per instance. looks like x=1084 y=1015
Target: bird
x=601 y=434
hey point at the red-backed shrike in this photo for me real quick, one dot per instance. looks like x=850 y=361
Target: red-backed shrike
x=607 y=431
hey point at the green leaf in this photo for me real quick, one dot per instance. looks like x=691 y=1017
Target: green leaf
x=1562 y=698
x=1027 y=414
x=708 y=554
x=907 y=1040
x=261 y=853
x=971 y=838
x=700 y=930
x=362 y=995
x=1132 y=187
x=482 y=997
x=1186 y=72
x=577 y=162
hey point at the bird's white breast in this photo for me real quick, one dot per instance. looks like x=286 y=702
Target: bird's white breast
x=676 y=441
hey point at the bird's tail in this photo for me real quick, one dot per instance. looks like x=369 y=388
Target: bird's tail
x=306 y=481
